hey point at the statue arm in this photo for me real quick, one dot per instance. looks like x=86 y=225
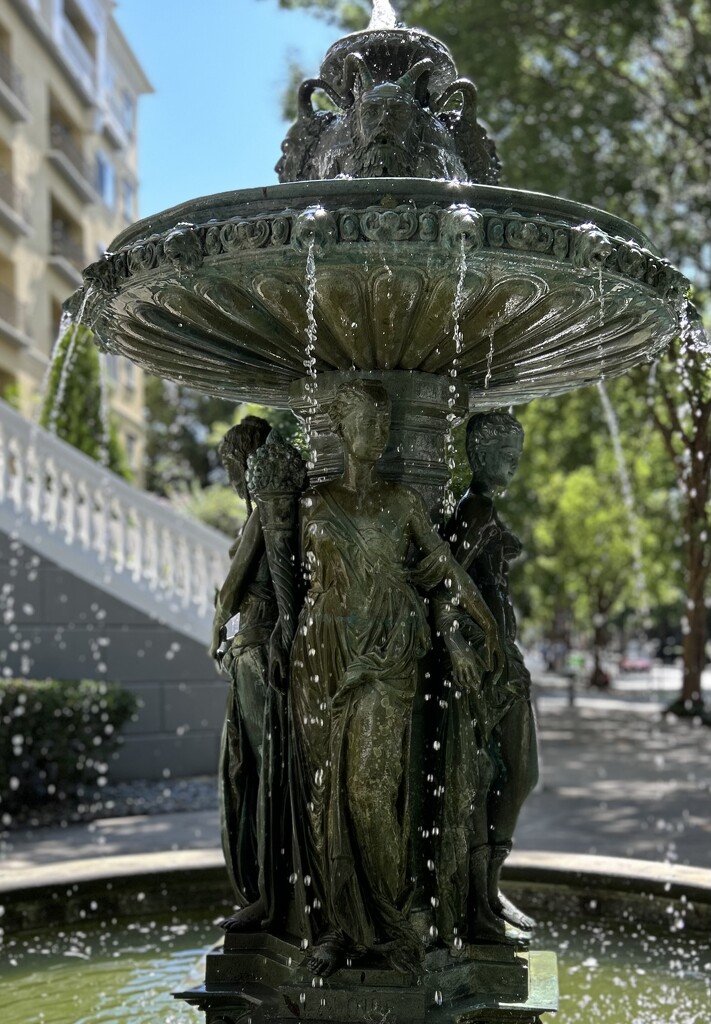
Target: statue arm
x=458 y=591
x=230 y=595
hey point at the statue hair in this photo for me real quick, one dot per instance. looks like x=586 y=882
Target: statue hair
x=241 y=441
x=490 y=428
x=353 y=393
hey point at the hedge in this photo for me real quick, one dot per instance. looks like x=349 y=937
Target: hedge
x=57 y=736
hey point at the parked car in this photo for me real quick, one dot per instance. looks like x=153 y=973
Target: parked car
x=635 y=661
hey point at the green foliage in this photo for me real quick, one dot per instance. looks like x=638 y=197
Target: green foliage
x=184 y=429
x=586 y=554
x=281 y=419
x=72 y=403
x=10 y=393
x=179 y=452
x=605 y=103
x=217 y=506
x=56 y=737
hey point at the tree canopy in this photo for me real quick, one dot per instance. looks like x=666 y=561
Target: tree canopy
x=608 y=104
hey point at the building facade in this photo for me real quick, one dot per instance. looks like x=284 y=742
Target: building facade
x=69 y=88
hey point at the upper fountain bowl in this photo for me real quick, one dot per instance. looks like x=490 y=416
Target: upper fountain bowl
x=553 y=294
x=419 y=261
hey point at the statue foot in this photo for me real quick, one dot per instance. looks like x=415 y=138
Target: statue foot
x=487 y=927
x=325 y=959
x=248 y=919
x=405 y=961
x=511 y=913
x=485 y=933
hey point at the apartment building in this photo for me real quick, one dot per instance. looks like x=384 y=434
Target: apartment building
x=69 y=88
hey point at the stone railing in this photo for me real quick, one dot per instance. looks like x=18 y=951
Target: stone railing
x=86 y=519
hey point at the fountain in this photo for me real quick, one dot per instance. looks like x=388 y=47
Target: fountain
x=384 y=290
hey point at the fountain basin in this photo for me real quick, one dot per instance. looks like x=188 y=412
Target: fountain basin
x=631 y=936
x=553 y=294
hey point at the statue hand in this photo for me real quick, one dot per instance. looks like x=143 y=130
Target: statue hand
x=215 y=643
x=466 y=668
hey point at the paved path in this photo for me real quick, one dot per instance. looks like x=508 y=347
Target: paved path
x=617 y=780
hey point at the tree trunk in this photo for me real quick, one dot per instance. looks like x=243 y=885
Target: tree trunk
x=694 y=644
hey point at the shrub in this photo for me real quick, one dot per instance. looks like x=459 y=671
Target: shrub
x=56 y=736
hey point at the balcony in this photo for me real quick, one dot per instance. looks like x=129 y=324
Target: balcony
x=13 y=319
x=80 y=62
x=67 y=255
x=12 y=89
x=14 y=206
x=114 y=121
x=66 y=156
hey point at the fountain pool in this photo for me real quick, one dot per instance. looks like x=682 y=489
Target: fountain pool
x=646 y=971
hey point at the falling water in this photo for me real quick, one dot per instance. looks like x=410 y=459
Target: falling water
x=69 y=357
x=383 y=15
x=600 y=320
x=489 y=362
x=104 y=412
x=627 y=496
x=65 y=323
x=448 y=505
x=310 y=360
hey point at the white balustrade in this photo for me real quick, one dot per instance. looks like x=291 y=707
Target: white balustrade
x=96 y=525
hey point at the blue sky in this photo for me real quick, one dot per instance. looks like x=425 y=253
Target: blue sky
x=218 y=68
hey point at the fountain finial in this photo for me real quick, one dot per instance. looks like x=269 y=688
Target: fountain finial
x=391 y=90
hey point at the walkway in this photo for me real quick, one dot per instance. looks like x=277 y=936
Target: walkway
x=617 y=780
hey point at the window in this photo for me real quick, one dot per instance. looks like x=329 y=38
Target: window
x=128 y=197
x=128 y=109
x=129 y=375
x=131 y=442
x=105 y=180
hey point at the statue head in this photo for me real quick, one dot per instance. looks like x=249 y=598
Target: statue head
x=360 y=415
x=494 y=446
x=237 y=445
x=386 y=119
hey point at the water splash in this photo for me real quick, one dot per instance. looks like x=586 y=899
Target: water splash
x=613 y=426
x=383 y=17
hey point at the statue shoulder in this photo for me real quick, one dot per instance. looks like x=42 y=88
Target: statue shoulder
x=474 y=513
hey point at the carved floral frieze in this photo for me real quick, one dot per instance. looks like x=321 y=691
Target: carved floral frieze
x=586 y=247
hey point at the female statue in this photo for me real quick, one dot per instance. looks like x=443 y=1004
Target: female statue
x=491 y=762
x=361 y=632
x=249 y=750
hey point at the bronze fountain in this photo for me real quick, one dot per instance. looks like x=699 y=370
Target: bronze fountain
x=379 y=740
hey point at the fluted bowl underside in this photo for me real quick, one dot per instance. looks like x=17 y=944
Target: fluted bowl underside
x=522 y=295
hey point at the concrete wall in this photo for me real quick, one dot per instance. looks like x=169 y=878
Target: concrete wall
x=53 y=624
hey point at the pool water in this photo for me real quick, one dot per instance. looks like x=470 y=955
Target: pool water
x=125 y=973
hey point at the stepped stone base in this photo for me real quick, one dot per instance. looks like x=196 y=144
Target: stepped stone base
x=263 y=979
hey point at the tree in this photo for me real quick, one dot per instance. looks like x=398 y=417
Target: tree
x=75 y=403
x=608 y=103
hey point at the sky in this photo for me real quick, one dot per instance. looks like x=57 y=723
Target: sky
x=219 y=69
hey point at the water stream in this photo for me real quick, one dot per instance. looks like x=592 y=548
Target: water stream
x=311 y=387
x=453 y=398
x=65 y=325
x=628 y=499
x=383 y=16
